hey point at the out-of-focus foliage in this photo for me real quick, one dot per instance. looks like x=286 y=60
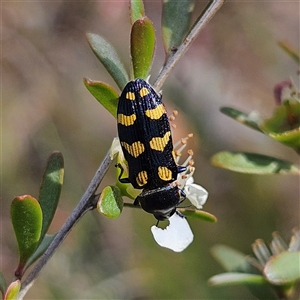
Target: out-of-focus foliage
x=174 y=32
x=273 y=274
x=31 y=218
x=253 y=163
x=45 y=57
x=283 y=126
x=13 y=290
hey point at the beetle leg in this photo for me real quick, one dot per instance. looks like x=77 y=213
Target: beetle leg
x=122 y=180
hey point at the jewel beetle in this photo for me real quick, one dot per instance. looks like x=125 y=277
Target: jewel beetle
x=146 y=141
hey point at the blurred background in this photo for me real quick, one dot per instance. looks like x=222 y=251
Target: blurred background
x=234 y=62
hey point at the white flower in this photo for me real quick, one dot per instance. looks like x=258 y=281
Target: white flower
x=177 y=236
x=194 y=192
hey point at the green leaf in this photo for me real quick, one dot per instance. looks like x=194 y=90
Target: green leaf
x=283 y=268
x=176 y=19
x=251 y=120
x=48 y=238
x=231 y=260
x=50 y=189
x=199 y=214
x=257 y=284
x=252 y=163
x=289 y=138
x=26 y=216
x=13 y=290
x=230 y=279
x=3 y=284
x=106 y=53
x=292 y=51
x=104 y=94
x=284 y=126
x=142 y=45
x=110 y=202
x=137 y=10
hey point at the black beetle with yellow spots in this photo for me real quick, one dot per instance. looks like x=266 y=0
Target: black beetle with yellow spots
x=146 y=140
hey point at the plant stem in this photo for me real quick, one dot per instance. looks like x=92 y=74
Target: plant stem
x=208 y=12
x=85 y=204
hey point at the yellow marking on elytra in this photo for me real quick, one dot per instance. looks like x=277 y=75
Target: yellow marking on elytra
x=164 y=173
x=142 y=178
x=156 y=112
x=159 y=143
x=144 y=91
x=126 y=120
x=136 y=149
x=130 y=96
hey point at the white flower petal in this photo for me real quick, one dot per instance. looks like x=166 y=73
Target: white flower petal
x=115 y=148
x=177 y=236
x=190 y=180
x=196 y=194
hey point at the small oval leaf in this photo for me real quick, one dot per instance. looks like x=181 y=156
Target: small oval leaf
x=13 y=290
x=289 y=138
x=257 y=284
x=231 y=260
x=104 y=94
x=110 y=202
x=176 y=19
x=251 y=120
x=137 y=10
x=26 y=216
x=142 y=46
x=252 y=163
x=284 y=125
x=230 y=279
x=106 y=53
x=199 y=214
x=283 y=268
x=50 y=189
